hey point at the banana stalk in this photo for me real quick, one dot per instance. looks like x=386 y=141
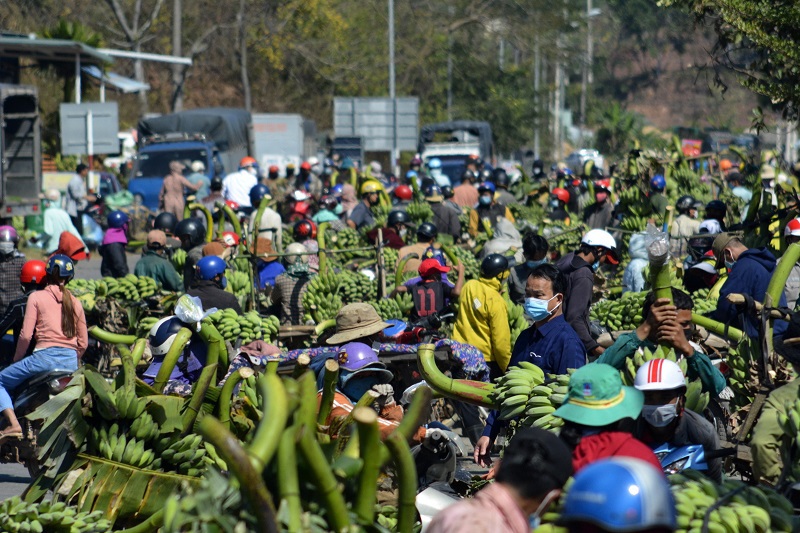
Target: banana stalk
x=257 y=222
x=322 y=476
x=301 y=365
x=209 y=219
x=324 y=325
x=307 y=410
x=448 y=251
x=151 y=525
x=369 y=444
x=772 y=297
x=288 y=481
x=465 y=390
x=254 y=491
x=138 y=350
x=718 y=328
x=128 y=373
x=323 y=257
x=272 y=367
x=406 y=480
x=110 y=338
x=198 y=395
x=225 y=395
x=171 y=359
x=268 y=434
x=215 y=344
x=330 y=379
x=228 y=212
x=660 y=280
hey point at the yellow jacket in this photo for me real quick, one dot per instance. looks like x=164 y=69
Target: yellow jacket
x=482 y=320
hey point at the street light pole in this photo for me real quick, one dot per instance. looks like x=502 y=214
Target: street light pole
x=392 y=93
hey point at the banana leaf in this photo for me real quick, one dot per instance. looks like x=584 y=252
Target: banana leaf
x=166 y=412
x=126 y=495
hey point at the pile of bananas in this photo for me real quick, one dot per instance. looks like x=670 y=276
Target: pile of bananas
x=346 y=239
x=248 y=327
x=563 y=238
x=790 y=423
x=516 y=319
x=390 y=257
x=522 y=392
x=472 y=267
x=619 y=315
x=702 y=303
x=179 y=259
x=388 y=308
x=145 y=324
x=17 y=515
x=749 y=509
x=238 y=282
x=130 y=288
x=321 y=300
x=356 y=287
x=419 y=212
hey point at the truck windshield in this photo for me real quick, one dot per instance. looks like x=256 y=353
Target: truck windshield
x=155 y=164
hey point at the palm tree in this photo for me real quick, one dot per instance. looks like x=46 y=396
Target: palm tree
x=71 y=31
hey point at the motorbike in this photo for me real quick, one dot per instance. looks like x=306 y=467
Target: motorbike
x=426 y=329
x=674 y=459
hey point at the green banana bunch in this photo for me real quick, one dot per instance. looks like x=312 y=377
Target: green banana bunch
x=387 y=308
x=321 y=305
x=145 y=324
x=419 y=212
x=622 y=314
x=356 y=287
x=472 y=268
x=390 y=257
x=516 y=319
x=248 y=327
x=513 y=388
x=184 y=455
x=347 y=239
x=179 y=259
x=17 y=515
x=238 y=282
x=702 y=303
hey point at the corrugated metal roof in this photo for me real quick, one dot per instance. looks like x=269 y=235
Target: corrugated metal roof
x=59 y=50
x=116 y=81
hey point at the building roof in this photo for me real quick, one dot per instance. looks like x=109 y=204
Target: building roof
x=57 y=50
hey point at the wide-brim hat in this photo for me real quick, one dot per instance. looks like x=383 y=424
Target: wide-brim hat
x=354 y=321
x=596 y=397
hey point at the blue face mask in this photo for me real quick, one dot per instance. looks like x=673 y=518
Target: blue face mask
x=534 y=264
x=485 y=200
x=595 y=265
x=536 y=309
x=729 y=264
x=554 y=204
x=357 y=387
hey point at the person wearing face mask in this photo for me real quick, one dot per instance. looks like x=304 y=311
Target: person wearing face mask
x=291 y=286
x=396 y=231
x=11 y=263
x=557 y=204
x=671 y=325
x=749 y=273
x=237 y=185
x=600 y=214
x=535 y=466
x=597 y=246
x=633 y=277
x=484 y=217
x=684 y=226
x=482 y=319
x=209 y=285
x=664 y=416
x=361 y=216
x=534 y=250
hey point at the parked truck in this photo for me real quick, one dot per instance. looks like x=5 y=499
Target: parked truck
x=452 y=142
x=218 y=137
x=20 y=151
x=280 y=139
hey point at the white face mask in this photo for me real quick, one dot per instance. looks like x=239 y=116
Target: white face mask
x=535 y=520
x=660 y=416
x=6 y=248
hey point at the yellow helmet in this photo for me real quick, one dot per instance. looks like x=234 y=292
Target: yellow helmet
x=371 y=186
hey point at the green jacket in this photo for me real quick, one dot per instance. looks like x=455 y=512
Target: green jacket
x=160 y=269
x=770 y=445
x=698 y=366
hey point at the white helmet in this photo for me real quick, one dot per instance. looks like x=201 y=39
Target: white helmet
x=711 y=226
x=297 y=249
x=792 y=228
x=659 y=374
x=163 y=333
x=599 y=237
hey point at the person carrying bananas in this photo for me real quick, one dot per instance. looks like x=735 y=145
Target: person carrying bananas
x=670 y=325
x=484 y=217
x=482 y=319
x=771 y=445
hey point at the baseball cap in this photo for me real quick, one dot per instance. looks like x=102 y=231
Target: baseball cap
x=720 y=242
x=430 y=265
x=596 y=397
x=156 y=239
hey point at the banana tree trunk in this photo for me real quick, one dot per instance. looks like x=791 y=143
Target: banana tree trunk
x=465 y=390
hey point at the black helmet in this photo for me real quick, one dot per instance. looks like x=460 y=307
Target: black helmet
x=427 y=230
x=500 y=178
x=398 y=217
x=493 y=265
x=684 y=203
x=447 y=191
x=166 y=222
x=538 y=164
x=216 y=183
x=485 y=175
x=716 y=205
x=468 y=175
x=193 y=228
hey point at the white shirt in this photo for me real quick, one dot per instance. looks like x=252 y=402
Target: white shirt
x=236 y=187
x=269 y=228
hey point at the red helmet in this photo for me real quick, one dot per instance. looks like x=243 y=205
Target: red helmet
x=230 y=238
x=305 y=166
x=603 y=184
x=233 y=205
x=273 y=169
x=300 y=208
x=247 y=162
x=403 y=192
x=33 y=272
x=561 y=194
x=305 y=229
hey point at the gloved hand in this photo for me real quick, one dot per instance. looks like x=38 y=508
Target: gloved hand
x=386 y=393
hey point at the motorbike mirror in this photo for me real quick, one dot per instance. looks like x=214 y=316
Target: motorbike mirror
x=408 y=394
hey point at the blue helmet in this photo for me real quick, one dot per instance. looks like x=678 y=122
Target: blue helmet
x=411 y=174
x=337 y=190
x=486 y=186
x=210 y=267
x=257 y=193
x=620 y=494
x=658 y=182
x=435 y=163
x=117 y=219
x=60 y=266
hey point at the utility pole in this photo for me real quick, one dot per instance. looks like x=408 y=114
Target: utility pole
x=537 y=64
x=392 y=93
x=177 y=50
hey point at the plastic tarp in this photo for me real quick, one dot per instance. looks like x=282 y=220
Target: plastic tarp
x=480 y=129
x=227 y=127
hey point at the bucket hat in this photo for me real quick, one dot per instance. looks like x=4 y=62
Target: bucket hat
x=596 y=397
x=354 y=321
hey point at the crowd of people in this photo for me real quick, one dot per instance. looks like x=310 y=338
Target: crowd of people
x=609 y=429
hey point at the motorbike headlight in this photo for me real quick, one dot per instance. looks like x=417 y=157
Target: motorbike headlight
x=677 y=466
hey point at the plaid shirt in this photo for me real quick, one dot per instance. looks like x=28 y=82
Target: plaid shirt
x=10 y=286
x=288 y=296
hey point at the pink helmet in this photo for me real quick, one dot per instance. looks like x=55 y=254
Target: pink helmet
x=8 y=234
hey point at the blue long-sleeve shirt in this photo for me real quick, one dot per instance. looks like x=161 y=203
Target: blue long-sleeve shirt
x=554 y=347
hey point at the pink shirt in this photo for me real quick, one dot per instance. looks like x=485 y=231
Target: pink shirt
x=492 y=510
x=43 y=319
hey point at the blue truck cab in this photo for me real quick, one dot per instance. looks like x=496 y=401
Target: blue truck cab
x=151 y=164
